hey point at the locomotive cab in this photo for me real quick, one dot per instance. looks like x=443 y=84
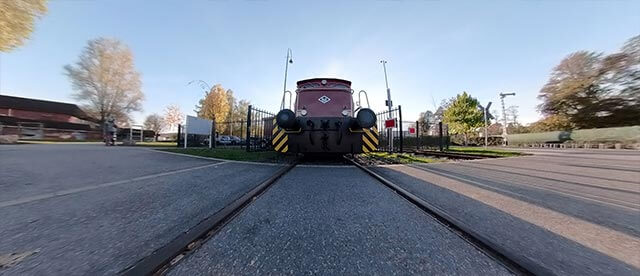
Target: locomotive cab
x=323 y=121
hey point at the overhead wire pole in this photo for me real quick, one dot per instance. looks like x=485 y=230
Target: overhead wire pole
x=286 y=69
x=388 y=103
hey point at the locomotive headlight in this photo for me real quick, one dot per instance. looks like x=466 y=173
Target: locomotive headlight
x=366 y=118
x=345 y=112
x=286 y=118
x=303 y=112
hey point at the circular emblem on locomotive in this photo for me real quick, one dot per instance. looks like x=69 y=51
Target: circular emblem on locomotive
x=324 y=99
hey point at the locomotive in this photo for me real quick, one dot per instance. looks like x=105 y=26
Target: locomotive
x=325 y=119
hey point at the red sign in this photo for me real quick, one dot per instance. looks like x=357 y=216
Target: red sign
x=391 y=123
x=412 y=130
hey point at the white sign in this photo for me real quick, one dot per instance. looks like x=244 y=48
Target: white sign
x=197 y=125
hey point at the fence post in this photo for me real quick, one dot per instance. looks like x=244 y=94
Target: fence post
x=242 y=129
x=178 y=138
x=418 y=135
x=448 y=138
x=440 y=135
x=248 y=140
x=401 y=131
x=212 y=137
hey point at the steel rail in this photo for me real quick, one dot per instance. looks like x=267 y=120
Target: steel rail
x=466 y=156
x=513 y=261
x=162 y=258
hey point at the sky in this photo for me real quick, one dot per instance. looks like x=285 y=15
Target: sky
x=434 y=49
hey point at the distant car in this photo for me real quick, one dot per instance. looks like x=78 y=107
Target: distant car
x=235 y=140
x=224 y=140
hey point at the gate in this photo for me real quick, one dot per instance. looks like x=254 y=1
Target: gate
x=390 y=130
x=231 y=134
x=397 y=135
x=258 y=129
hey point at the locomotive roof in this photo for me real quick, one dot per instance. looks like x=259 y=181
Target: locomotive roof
x=330 y=83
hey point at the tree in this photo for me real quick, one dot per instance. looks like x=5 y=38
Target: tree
x=592 y=90
x=425 y=120
x=173 y=116
x=551 y=123
x=463 y=115
x=512 y=114
x=17 y=21
x=105 y=80
x=156 y=123
x=215 y=104
x=239 y=115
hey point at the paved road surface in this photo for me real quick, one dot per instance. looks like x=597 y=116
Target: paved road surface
x=335 y=221
x=88 y=217
x=571 y=212
x=89 y=209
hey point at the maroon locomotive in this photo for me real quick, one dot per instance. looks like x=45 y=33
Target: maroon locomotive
x=323 y=120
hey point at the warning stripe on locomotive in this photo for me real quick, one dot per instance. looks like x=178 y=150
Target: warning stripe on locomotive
x=280 y=138
x=370 y=139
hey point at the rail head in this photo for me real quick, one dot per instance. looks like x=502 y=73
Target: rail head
x=514 y=262
x=166 y=256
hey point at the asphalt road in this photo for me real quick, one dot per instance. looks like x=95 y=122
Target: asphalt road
x=93 y=210
x=334 y=221
x=569 y=212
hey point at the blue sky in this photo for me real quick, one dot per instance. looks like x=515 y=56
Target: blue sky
x=435 y=49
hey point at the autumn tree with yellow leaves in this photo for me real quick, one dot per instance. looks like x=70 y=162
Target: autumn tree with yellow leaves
x=215 y=104
x=17 y=20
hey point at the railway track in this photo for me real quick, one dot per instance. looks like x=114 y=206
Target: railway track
x=163 y=258
x=453 y=155
x=511 y=260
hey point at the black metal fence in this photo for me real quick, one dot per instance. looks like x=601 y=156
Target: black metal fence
x=231 y=134
x=409 y=135
x=255 y=133
x=193 y=140
x=421 y=136
x=259 y=126
x=390 y=127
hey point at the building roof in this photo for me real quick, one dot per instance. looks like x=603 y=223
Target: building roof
x=43 y=106
x=12 y=121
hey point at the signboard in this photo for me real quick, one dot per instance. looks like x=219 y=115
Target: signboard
x=412 y=130
x=197 y=125
x=391 y=123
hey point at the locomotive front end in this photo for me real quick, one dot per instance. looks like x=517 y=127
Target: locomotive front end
x=323 y=121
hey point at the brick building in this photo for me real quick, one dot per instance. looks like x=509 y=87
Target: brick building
x=46 y=120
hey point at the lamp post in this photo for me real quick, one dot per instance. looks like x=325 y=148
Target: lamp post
x=286 y=69
x=388 y=103
x=203 y=84
x=504 y=117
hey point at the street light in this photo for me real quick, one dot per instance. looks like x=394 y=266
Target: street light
x=203 y=84
x=504 y=117
x=388 y=103
x=286 y=69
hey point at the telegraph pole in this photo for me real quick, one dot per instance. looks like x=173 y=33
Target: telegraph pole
x=504 y=117
x=388 y=103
